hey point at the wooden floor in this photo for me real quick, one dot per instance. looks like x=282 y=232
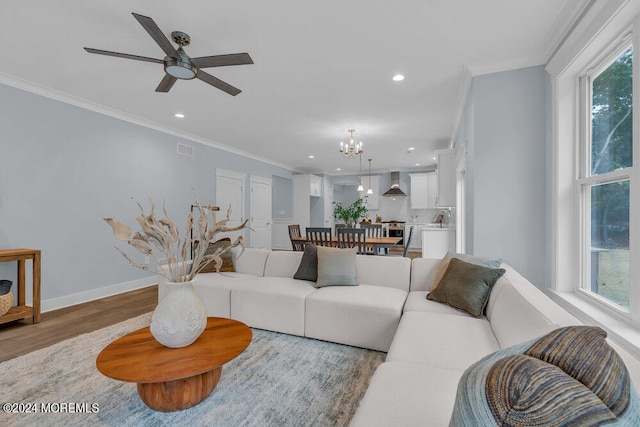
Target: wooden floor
x=22 y=337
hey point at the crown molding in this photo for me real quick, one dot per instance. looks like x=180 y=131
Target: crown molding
x=85 y=104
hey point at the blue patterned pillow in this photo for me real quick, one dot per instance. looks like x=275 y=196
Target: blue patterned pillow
x=570 y=376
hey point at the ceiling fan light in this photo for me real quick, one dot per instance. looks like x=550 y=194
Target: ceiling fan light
x=179 y=69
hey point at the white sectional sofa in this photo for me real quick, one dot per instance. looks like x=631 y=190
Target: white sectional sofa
x=429 y=345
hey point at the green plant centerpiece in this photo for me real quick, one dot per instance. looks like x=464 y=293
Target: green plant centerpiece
x=352 y=214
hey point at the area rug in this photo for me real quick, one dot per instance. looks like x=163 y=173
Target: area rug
x=279 y=380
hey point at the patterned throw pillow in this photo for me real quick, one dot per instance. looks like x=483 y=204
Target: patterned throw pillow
x=227 y=263
x=570 y=376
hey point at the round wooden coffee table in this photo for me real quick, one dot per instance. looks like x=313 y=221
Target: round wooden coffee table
x=172 y=379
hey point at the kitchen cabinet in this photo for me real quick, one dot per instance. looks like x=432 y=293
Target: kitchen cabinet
x=446 y=178
x=436 y=242
x=424 y=188
x=416 y=237
x=305 y=186
x=373 y=200
x=315 y=186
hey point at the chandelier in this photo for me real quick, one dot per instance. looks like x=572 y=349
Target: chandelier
x=351 y=149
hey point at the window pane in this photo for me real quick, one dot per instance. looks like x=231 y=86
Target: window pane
x=610 y=241
x=611 y=117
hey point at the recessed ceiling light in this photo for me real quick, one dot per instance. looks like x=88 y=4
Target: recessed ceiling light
x=411 y=148
x=417 y=164
x=338 y=169
x=312 y=157
x=398 y=78
x=179 y=115
x=434 y=158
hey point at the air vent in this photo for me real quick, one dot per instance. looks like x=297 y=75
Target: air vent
x=185 y=149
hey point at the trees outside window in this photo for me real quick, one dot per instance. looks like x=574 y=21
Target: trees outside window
x=608 y=149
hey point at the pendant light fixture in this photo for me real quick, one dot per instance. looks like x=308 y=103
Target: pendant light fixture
x=352 y=148
x=360 y=187
x=369 y=191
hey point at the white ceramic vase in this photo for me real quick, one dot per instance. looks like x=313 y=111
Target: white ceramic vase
x=180 y=317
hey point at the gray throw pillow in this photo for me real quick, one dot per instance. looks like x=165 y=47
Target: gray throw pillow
x=466 y=286
x=336 y=267
x=308 y=269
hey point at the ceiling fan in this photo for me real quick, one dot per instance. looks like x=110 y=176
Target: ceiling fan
x=177 y=64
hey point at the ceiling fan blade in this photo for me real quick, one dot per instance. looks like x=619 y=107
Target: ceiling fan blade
x=156 y=34
x=222 y=60
x=214 y=81
x=166 y=83
x=123 y=55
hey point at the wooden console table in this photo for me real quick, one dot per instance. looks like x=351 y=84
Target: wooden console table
x=22 y=310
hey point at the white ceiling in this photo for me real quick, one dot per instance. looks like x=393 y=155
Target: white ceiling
x=320 y=68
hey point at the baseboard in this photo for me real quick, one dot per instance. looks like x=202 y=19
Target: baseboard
x=93 y=294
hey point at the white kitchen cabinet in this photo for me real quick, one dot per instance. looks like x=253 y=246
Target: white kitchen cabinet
x=416 y=237
x=419 y=191
x=432 y=190
x=373 y=200
x=446 y=178
x=424 y=190
x=315 y=186
x=305 y=186
x=436 y=242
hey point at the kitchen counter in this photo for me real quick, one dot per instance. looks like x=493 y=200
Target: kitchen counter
x=436 y=241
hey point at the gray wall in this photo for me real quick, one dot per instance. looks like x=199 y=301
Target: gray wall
x=282 y=198
x=63 y=169
x=507 y=169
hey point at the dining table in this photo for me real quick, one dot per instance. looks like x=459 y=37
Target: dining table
x=371 y=242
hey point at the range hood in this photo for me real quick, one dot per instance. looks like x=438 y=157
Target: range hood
x=395 y=186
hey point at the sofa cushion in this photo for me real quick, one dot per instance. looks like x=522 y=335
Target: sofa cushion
x=571 y=376
x=444 y=264
x=250 y=261
x=282 y=264
x=384 y=271
x=363 y=316
x=466 y=286
x=422 y=271
x=272 y=303
x=518 y=311
x=406 y=394
x=336 y=267
x=417 y=301
x=308 y=267
x=443 y=340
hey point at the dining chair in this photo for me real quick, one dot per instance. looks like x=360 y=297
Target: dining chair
x=353 y=238
x=294 y=231
x=320 y=236
x=340 y=226
x=372 y=230
x=408 y=241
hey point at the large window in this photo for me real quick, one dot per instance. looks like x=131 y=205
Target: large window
x=604 y=184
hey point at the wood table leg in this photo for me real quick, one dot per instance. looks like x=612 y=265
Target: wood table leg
x=36 y=287
x=180 y=394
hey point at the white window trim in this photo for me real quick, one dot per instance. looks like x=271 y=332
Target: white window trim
x=604 y=26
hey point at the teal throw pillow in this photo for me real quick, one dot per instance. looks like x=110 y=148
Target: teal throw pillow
x=336 y=267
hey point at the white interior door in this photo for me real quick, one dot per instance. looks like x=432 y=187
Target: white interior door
x=261 y=214
x=230 y=194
